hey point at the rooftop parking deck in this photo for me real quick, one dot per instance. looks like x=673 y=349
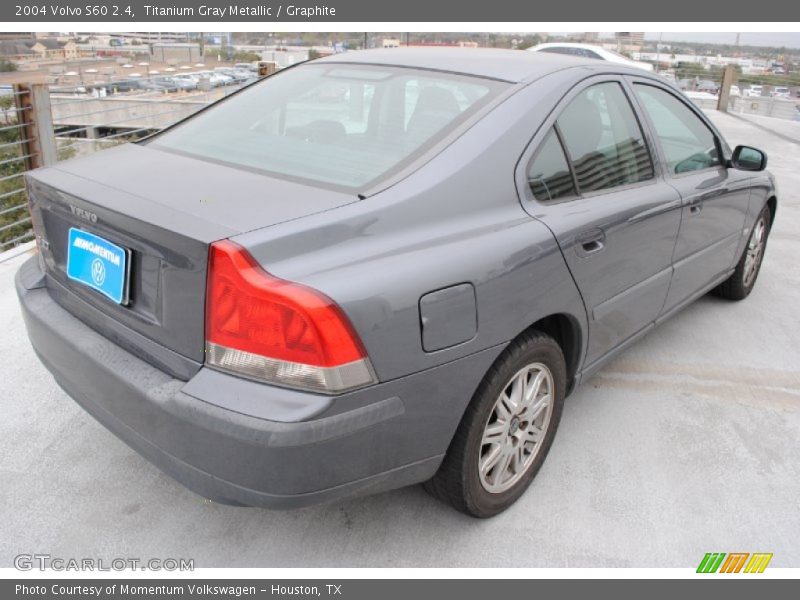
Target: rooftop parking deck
x=688 y=443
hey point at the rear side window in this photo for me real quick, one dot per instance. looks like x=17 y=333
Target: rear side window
x=603 y=139
x=344 y=126
x=687 y=143
x=590 y=53
x=558 y=50
x=549 y=176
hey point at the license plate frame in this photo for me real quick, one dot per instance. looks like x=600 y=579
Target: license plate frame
x=99 y=264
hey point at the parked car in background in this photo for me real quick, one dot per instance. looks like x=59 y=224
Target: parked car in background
x=708 y=86
x=179 y=83
x=298 y=295
x=253 y=68
x=190 y=78
x=754 y=91
x=206 y=79
x=590 y=51
x=125 y=85
x=158 y=85
x=781 y=92
x=237 y=75
x=735 y=91
x=216 y=79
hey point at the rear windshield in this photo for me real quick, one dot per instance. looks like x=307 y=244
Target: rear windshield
x=341 y=125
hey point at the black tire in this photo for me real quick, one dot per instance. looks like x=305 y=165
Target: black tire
x=458 y=481
x=738 y=286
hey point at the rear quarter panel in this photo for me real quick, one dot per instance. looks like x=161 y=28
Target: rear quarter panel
x=456 y=220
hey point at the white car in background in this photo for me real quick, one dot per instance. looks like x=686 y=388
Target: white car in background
x=735 y=91
x=590 y=51
x=754 y=91
x=216 y=79
x=781 y=92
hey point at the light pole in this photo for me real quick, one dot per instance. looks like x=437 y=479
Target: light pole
x=658 y=50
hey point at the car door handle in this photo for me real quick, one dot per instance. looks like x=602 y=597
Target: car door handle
x=696 y=205
x=716 y=193
x=590 y=242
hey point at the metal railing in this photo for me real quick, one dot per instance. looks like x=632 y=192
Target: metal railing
x=765 y=106
x=66 y=122
x=15 y=156
x=779 y=108
x=768 y=95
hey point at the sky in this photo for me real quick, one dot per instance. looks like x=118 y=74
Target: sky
x=790 y=40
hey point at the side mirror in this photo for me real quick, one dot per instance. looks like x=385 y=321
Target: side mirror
x=749 y=159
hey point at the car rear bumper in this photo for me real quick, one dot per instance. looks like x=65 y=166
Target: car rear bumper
x=216 y=436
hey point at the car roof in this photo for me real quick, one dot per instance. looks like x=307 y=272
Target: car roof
x=514 y=66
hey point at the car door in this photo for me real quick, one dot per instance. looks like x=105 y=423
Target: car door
x=714 y=199
x=590 y=177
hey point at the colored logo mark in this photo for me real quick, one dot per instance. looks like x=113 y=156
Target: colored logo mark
x=734 y=562
x=98 y=271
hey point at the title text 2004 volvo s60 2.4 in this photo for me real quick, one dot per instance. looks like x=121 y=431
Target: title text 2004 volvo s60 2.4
x=383 y=268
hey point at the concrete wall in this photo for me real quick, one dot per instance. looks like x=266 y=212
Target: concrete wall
x=124 y=111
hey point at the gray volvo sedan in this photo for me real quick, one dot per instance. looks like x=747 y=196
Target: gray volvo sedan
x=383 y=268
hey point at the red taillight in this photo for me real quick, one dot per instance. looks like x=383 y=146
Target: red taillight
x=266 y=327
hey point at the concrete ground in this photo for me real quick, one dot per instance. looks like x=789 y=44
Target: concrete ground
x=688 y=443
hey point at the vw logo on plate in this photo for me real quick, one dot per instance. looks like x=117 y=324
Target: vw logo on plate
x=98 y=271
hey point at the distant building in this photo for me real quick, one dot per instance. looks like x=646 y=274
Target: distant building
x=630 y=38
x=749 y=66
x=396 y=43
x=38 y=49
x=15 y=50
x=55 y=49
x=629 y=41
x=214 y=38
x=148 y=37
x=17 y=35
x=459 y=44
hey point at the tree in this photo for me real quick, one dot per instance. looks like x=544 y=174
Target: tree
x=6 y=66
x=246 y=57
x=529 y=42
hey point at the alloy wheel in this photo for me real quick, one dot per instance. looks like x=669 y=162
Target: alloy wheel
x=755 y=251
x=516 y=427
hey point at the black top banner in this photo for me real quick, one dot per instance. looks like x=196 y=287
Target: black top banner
x=335 y=11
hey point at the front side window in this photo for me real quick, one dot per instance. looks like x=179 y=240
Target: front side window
x=603 y=139
x=687 y=143
x=332 y=124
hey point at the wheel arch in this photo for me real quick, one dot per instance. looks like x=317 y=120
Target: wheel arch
x=566 y=331
x=772 y=203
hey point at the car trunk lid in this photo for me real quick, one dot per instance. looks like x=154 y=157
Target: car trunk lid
x=165 y=210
